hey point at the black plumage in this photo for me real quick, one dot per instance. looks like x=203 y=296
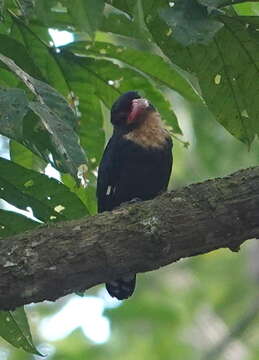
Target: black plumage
x=136 y=163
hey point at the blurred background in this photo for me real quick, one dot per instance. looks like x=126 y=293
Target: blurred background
x=202 y=308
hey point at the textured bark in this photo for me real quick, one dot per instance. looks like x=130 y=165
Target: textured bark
x=52 y=261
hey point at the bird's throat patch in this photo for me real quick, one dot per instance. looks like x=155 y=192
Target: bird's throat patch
x=150 y=133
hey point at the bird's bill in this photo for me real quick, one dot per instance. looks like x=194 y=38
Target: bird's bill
x=138 y=106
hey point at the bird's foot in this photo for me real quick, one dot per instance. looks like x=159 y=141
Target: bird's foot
x=134 y=200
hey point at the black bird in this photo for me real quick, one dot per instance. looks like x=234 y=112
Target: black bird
x=136 y=163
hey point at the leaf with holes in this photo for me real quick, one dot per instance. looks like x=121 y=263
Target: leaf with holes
x=14 y=328
x=226 y=69
x=190 y=22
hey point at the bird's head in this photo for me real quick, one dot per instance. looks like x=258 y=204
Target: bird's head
x=130 y=109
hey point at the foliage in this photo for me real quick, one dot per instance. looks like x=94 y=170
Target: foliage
x=199 y=55
x=15 y=329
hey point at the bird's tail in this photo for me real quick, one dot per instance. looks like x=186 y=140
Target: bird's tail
x=122 y=288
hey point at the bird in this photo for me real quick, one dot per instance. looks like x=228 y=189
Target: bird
x=136 y=164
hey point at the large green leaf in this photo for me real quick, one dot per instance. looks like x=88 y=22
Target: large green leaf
x=86 y=14
x=2 y=5
x=92 y=73
x=17 y=52
x=91 y=124
x=89 y=88
x=13 y=108
x=118 y=22
x=12 y=223
x=127 y=18
x=14 y=328
x=123 y=5
x=247 y=9
x=225 y=68
x=156 y=67
x=57 y=118
x=212 y=3
x=53 y=14
x=27 y=7
x=190 y=22
x=86 y=195
x=69 y=155
x=112 y=73
x=36 y=40
x=26 y=158
x=53 y=202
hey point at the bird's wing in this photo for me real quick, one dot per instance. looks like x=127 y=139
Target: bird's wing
x=107 y=175
x=129 y=171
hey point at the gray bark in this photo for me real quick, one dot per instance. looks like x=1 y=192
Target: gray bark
x=52 y=261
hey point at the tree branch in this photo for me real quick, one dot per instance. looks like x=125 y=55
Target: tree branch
x=52 y=261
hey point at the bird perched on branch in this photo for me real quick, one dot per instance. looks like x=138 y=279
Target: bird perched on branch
x=136 y=164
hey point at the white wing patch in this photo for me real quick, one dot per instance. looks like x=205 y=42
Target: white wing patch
x=109 y=189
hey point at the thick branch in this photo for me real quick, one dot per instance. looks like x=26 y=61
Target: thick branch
x=53 y=261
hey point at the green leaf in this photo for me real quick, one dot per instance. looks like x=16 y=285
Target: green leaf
x=89 y=88
x=156 y=67
x=13 y=108
x=9 y=218
x=190 y=22
x=121 y=4
x=54 y=202
x=69 y=155
x=92 y=73
x=87 y=195
x=27 y=7
x=14 y=328
x=135 y=25
x=2 y=6
x=44 y=93
x=91 y=124
x=36 y=40
x=247 y=9
x=108 y=71
x=57 y=118
x=212 y=4
x=26 y=158
x=18 y=53
x=86 y=14
x=225 y=68
x=118 y=22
